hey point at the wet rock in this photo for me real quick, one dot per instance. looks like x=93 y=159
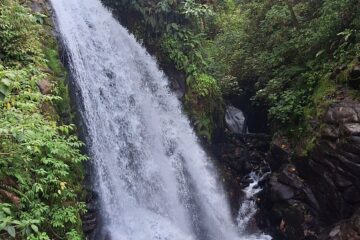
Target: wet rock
x=45 y=86
x=345 y=230
x=343 y=113
x=349 y=155
x=246 y=181
x=342 y=182
x=37 y=6
x=355 y=140
x=330 y=132
x=235 y=120
x=89 y=221
x=355 y=72
x=336 y=161
x=350 y=129
x=351 y=166
x=280 y=192
x=287 y=219
x=335 y=231
x=348 y=145
x=352 y=195
x=280 y=153
x=176 y=79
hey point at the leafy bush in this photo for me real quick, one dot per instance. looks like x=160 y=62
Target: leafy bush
x=206 y=86
x=204 y=103
x=282 y=50
x=19 y=33
x=40 y=159
x=278 y=53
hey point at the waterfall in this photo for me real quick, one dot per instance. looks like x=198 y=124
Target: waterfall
x=153 y=178
x=248 y=206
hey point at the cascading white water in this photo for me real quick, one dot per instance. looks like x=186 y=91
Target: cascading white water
x=248 y=206
x=153 y=178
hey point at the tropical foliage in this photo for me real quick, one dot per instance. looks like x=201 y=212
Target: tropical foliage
x=40 y=158
x=281 y=54
x=288 y=56
x=178 y=29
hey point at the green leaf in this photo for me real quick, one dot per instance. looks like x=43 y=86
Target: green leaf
x=320 y=53
x=11 y=231
x=2 y=226
x=6 y=210
x=16 y=222
x=34 y=228
x=3 y=90
x=6 y=81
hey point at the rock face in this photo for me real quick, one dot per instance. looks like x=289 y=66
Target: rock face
x=235 y=120
x=354 y=77
x=305 y=196
x=90 y=219
x=345 y=230
x=336 y=162
x=45 y=86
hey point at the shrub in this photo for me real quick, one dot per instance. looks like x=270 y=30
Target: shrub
x=40 y=158
x=19 y=33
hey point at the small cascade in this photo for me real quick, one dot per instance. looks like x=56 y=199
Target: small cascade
x=247 y=211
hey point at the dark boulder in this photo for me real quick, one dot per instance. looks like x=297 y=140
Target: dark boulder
x=330 y=132
x=352 y=195
x=350 y=129
x=354 y=77
x=341 y=113
x=355 y=72
x=280 y=192
x=280 y=153
x=345 y=230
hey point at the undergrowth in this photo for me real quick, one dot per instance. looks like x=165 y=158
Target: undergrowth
x=40 y=158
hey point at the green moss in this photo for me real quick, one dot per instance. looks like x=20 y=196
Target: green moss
x=304 y=135
x=206 y=113
x=323 y=96
x=58 y=75
x=53 y=62
x=59 y=78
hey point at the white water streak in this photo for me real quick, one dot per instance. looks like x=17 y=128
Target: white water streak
x=153 y=178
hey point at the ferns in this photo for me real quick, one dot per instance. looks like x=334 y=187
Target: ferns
x=40 y=160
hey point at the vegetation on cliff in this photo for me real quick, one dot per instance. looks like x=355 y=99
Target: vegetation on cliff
x=281 y=55
x=292 y=57
x=40 y=158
